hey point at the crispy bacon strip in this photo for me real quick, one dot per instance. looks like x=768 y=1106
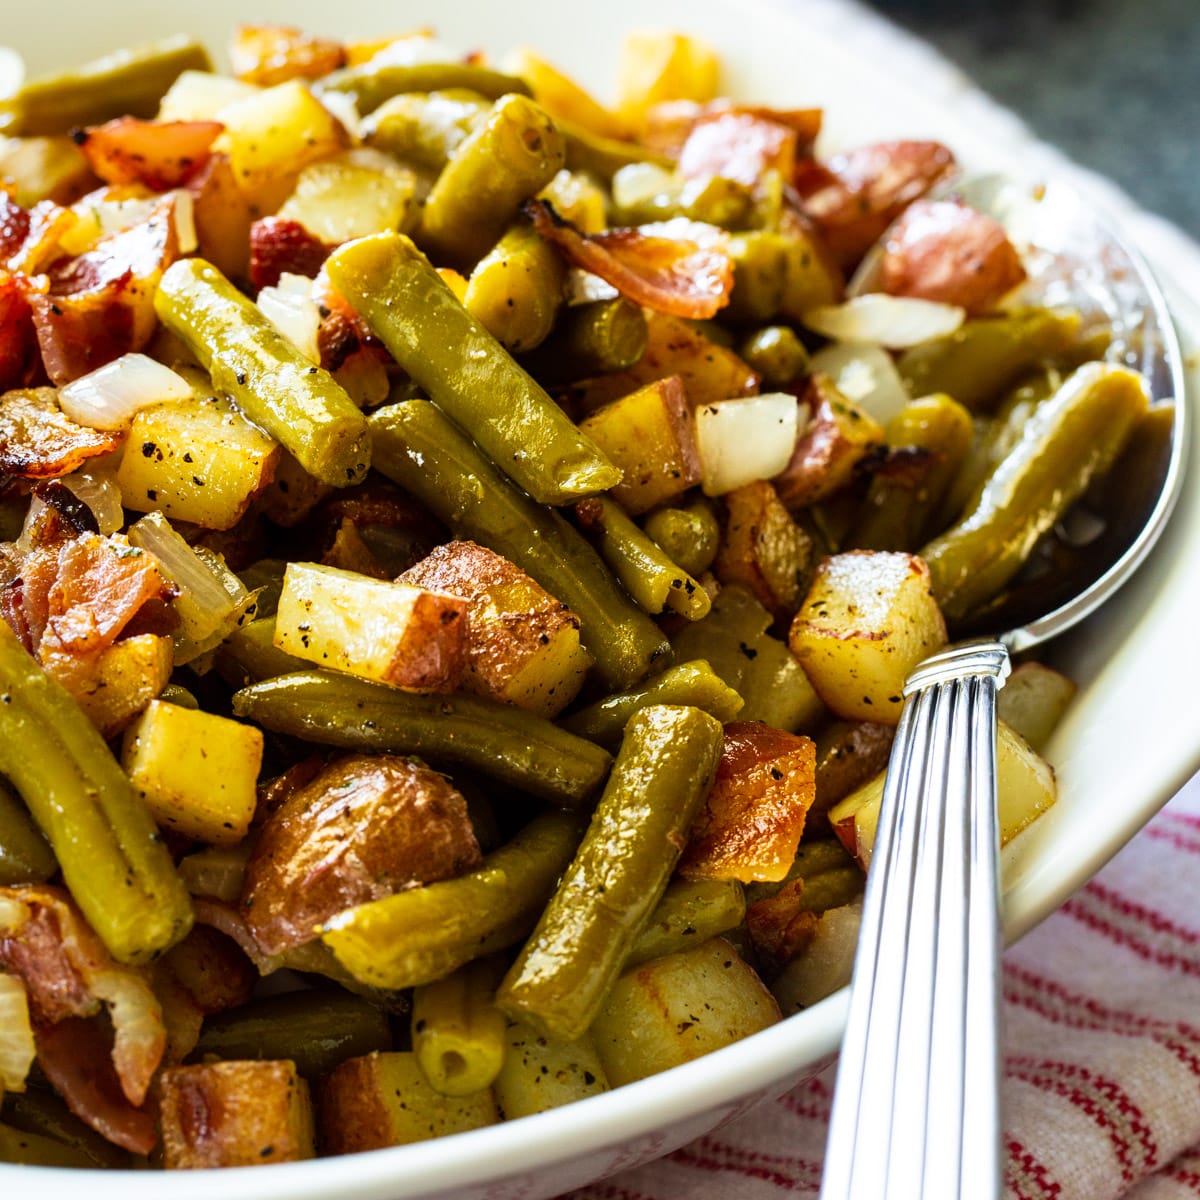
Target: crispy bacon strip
x=68 y=974
x=38 y=441
x=278 y=245
x=14 y=225
x=271 y=54
x=160 y=154
x=679 y=267
x=18 y=341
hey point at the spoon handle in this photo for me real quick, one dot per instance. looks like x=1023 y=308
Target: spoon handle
x=916 y=1108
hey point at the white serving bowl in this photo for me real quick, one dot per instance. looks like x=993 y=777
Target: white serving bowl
x=1131 y=739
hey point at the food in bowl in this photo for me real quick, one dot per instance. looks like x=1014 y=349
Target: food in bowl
x=529 y=455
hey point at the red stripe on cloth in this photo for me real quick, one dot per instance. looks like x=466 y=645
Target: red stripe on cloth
x=607 y=1191
x=1177 y=840
x=817 y=1111
x=1189 y=1179
x=1023 y=1172
x=710 y=1144
x=1076 y=909
x=1107 y=1103
x=1157 y=921
x=1170 y=816
x=689 y=1157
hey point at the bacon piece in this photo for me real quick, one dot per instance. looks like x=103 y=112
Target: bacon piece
x=68 y=973
x=278 y=245
x=159 y=154
x=754 y=815
x=39 y=441
x=18 y=341
x=854 y=197
x=47 y=224
x=669 y=125
x=780 y=927
x=945 y=250
x=93 y=308
x=14 y=225
x=342 y=333
x=271 y=54
x=679 y=267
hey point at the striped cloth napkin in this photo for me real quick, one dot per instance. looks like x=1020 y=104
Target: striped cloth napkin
x=1102 y=1054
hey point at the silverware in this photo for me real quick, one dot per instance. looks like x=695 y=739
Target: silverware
x=916 y=1112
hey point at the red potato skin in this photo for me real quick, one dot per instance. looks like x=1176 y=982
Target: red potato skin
x=944 y=250
x=738 y=145
x=278 y=245
x=160 y=154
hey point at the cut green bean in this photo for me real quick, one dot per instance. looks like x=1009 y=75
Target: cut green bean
x=419 y=935
x=249 y=654
x=692 y=683
x=110 y=851
x=425 y=129
x=590 y=339
x=776 y=353
x=689 y=536
x=274 y=385
x=128 y=83
x=458 y=1033
x=690 y=912
x=315 y=1029
x=466 y=371
x=603 y=157
x=501 y=741
x=418 y=447
x=643 y=567
x=37 y=1150
x=661 y=776
x=24 y=855
x=43 y=1113
x=371 y=85
x=510 y=157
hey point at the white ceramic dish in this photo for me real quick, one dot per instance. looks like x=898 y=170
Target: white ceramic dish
x=1131 y=740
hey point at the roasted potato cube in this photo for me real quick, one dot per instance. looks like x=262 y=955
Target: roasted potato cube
x=196 y=460
x=848 y=754
x=840 y=437
x=391 y=632
x=383 y=1099
x=200 y=95
x=363 y=828
x=825 y=964
x=651 y=436
x=44 y=168
x=657 y=66
x=1033 y=701
x=292 y=494
x=223 y=216
x=562 y=97
x=235 y=1114
x=540 y=1072
x=869 y=618
x=675 y=1009
x=752 y=820
x=195 y=770
x=1025 y=784
x=269 y=54
x=764 y=549
x=351 y=195
x=212 y=969
x=128 y=675
x=522 y=644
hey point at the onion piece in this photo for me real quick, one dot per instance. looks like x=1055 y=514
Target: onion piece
x=290 y=307
x=110 y=396
x=17 y=1050
x=211 y=602
x=893 y=321
x=415 y=50
x=865 y=373
x=746 y=439
x=184 y=216
x=12 y=71
x=585 y=288
x=637 y=183
x=98 y=489
x=344 y=109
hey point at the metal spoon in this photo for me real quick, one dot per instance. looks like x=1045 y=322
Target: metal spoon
x=916 y=1112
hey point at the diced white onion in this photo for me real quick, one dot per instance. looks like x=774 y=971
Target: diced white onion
x=12 y=71
x=893 y=321
x=583 y=287
x=17 y=1050
x=110 y=396
x=865 y=373
x=345 y=110
x=638 y=182
x=744 y=440
x=185 y=221
x=291 y=309
x=99 y=491
x=414 y=51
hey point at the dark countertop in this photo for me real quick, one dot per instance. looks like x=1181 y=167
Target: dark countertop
x=1114 y=83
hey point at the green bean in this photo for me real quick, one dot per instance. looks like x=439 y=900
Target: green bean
x=1071 y=439
x=831 y=877
x=759 y=275
x=978 y=361
x=128 y=83
x=690 y=912
x=275 y=386
x=371 y=85
x=265 y=577
x=590 y=339
x=501 y=741
x=691 y=683
x=712 y=199
x=690 y=536
x=425 y=129
x=419 y=935
x=175 y=693
x=620 y=872
x=110 y=851
x=36 y=1150
x=517 y=288
x=43 y=1113
x=510 y=157
x=249 y=654
x=458 y=1033
x=315 y=1029
x=419 y=448
x=603 y=157
x=648 y=575
x=24 y=855
x=776 y=353
x=466 y=371
x=760 y=668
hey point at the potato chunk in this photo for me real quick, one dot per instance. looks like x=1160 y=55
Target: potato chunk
x=363 y=828
x=196 y=771
x=522 y=644
x=235 y=1114
x=650 y=435
x=128 y=675
x=677 y=1008
x=657 y=66
x=391 y=632
x=868 y=620
x=753 y=818
x=383 y=1099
